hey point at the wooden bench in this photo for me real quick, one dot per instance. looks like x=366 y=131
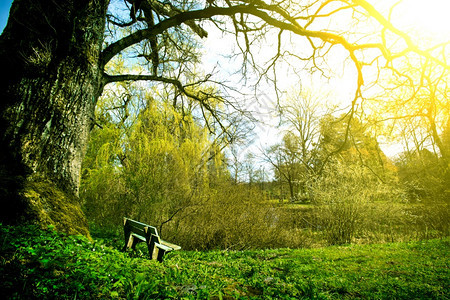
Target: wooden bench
x=137 y=232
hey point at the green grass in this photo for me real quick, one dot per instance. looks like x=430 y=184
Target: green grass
x=46 y=264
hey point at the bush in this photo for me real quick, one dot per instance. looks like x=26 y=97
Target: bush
x=235 y=217
x=341 y=197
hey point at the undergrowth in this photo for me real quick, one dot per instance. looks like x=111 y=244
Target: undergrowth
x=44 y=264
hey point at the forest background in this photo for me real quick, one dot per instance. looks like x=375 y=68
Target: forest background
x=177 y=163
x=212 y=180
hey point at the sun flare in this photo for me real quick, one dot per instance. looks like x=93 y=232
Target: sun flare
x=428 y=19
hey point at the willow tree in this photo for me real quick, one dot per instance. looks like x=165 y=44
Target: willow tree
x=55 y=56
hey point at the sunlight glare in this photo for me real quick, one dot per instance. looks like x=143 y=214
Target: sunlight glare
x=429 y=19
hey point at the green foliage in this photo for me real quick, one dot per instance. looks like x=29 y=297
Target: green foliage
x=311 y=149
x=165 y=162
x=146 y=169
x=234 y=217
x=352 y=142
x=164 y=169
x=342 y=195
x=424 y=175
x=351 y=204
x=37 y=264
x=289 y=168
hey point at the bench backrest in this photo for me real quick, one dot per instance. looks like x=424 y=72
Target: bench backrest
x=139 y=228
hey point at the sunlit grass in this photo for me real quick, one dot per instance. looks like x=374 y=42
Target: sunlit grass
x=43 y=264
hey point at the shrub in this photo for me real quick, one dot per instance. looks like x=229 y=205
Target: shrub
x=341 y=196
x=235 y=217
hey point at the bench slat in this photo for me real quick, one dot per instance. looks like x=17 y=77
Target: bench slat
x=130 y=221
x=164 y=247
x=170 y=245
x=142 y=238
x=137 y=231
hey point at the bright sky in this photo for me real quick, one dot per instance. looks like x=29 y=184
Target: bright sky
x=426 y=21
x=428 y=18
x=5 y=5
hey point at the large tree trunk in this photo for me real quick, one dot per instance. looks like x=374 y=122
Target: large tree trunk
x=50 y=53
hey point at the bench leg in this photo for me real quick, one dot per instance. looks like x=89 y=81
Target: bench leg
x=128 y=243
x=151 y=245
x=134 y=243
x=161 y=253
x=127 y=235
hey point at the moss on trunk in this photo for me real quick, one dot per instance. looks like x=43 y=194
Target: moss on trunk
x=49 y=205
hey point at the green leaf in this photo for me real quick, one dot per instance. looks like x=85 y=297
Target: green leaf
x=114 y=294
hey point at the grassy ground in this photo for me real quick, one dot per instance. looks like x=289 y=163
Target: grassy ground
x=45 y=264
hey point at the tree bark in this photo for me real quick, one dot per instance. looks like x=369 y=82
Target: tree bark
x=50 y=51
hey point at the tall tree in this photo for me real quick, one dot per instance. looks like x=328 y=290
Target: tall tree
x=51 y=52
x=55 y=54
x=286 y=162
x=416 y=104
x=353 y=142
